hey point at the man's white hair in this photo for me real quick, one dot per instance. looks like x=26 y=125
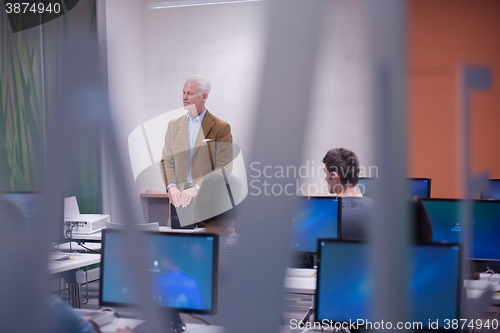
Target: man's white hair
x=203 y=86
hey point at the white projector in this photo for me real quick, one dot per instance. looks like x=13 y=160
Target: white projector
x=85 y=223
x=82 y=224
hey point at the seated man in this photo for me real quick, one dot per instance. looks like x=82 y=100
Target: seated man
x=342 y=174
x=342 y=170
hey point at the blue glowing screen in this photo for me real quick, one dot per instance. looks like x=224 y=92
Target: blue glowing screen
x=486 y=240
x=493 y=191
x=180 y=270
x=419 y=187
x=345 y=283
x=445 y=220
x=315 y=218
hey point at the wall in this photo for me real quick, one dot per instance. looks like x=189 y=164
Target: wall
x=125 y=64
x=443 y=34
x=226 y=42
x=151 y=52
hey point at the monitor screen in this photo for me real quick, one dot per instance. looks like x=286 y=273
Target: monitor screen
x=345 y=283
x=444 y=215
x=486 y=238
x=182 y=271
x=317 y=217
x=493 y=191
x=419 y=187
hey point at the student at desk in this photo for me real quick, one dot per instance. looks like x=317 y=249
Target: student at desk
x=342 y=175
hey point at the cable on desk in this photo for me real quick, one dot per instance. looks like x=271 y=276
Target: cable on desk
x=86 y=248
x=69 y=234
x=202 y=320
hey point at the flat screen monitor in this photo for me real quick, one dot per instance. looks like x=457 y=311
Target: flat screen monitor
x=493 y=191
x=182 y=271
x=419 y=187
x=316 y=217
x=444 y=215
x=31 y=206
x=344 y=285
x=486 y=237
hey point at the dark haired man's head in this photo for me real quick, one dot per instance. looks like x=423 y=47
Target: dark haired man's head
x=341 y=169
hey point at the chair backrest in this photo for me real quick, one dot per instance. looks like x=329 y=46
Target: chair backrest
x=154 y=226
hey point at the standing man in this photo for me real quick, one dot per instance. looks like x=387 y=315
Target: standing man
x=195 y=144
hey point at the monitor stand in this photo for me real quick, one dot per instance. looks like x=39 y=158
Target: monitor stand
x=172 y=323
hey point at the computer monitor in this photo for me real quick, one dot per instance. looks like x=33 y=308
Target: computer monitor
x=345 y=285
x=419 y=187
x=316 y=217
x=444 y=215
x=182 y=271
x=493 y=191
x=486 y=231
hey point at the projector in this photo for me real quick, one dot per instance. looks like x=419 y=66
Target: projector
x=85 y=223
x=81 y=224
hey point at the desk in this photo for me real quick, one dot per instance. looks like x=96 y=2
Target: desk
x=300 y=285
x=97 y=236
x=67 y=270
x=65 y=247
x=124 y=322
x=155 y=207
x=80 y=260
x=477 y=300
